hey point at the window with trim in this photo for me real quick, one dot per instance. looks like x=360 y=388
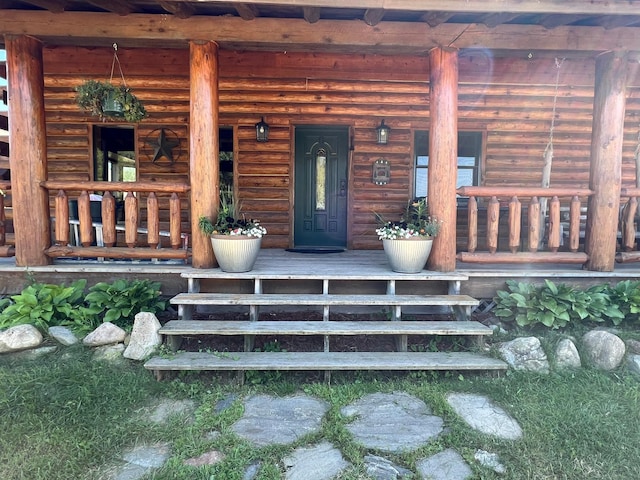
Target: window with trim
x=469 y=152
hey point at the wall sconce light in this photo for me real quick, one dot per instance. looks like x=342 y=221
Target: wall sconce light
x=262 y=131
x=383 y=133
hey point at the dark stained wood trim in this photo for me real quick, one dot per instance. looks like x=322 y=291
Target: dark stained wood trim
x=247 y=11
x=374 y=16
x=54 y=6
x=344 y=36
x=311 y=14
x=179 y=9
x=435 y=18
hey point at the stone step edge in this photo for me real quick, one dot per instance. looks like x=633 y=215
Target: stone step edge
x=318 y=327
x=263 y=299
x=236 y=361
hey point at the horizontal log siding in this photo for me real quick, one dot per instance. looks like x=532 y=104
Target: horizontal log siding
x=510 y=99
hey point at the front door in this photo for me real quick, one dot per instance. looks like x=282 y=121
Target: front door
x=321 y=163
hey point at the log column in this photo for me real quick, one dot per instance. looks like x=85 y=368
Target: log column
x=606 y=160
x=204 y=145
x=28 y=159
x=443 y=154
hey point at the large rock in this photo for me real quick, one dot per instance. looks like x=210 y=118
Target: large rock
x=106 y=334
x=567 y=355
x=525 y=353
x=20 y=337
x=603 y=349
x=144 y=336
x=63 y=335
x=633 y=363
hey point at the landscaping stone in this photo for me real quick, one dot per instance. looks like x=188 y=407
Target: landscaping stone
x=106 y=334
x=27 y=355
x=446 y=465
x=379 y=468
x=525 y=353
x=480 y=413
x=633 y=346
x=490 y=460
x=20 y=337
x=270 y=420
x=392 y=422
x=603 y=349
x=567 y=355
x=633 y=363
x=144 y=336
x=251 y=472
x=320 y=462
x=63 y=335
x=109 y=353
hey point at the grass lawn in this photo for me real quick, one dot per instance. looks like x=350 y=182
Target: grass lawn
x=64 y=416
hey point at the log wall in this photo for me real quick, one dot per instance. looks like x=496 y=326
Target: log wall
x=510 y=99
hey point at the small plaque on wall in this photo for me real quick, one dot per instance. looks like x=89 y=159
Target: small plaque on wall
x=381 y=172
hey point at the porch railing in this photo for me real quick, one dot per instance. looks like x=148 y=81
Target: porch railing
x=99 y=239
x=5 y=250
x=558 y=234
x=628 y=227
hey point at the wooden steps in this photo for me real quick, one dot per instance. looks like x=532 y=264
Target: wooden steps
x=308 y=283
x=327 y=361
x=287 y=327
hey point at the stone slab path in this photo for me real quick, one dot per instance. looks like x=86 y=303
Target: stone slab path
x=381 y=422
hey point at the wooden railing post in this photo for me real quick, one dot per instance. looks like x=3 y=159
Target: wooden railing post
x=534 y=224
x=174 y=221
x=493 y=224
x=628 y=225
x=153 y=221
x=84 y=216
x=515 y=218
x=108 y=210
x=130 y=220
x=62 y=218
x=574 y=224
x=472 y=224
x=553 y=240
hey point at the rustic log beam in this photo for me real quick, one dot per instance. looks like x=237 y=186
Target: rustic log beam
x=62 y=251
x=121 y=7
x=28 y=161
x=247 y=11
x=508 y=192
x=347 y=36
x=311 y=14
x=179 y=9
x=374 y=16
x=605 y=175
x=54 y=6
x=524 y=257
x=593 y=7
x=443 y=154
x=7 y=251
x=553 y=21
x=204 y=146
x=435 y=18
x=76 y=185
x=627 y=257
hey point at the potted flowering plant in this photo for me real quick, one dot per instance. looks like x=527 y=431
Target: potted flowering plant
x=407 y=242
x=105 y=100
x=235 y=239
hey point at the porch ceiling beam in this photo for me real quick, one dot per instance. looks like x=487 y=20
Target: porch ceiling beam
x=246 y=11
x=54 y=6
x=435 y=18
x=373 y=16
x=341 y=36
x=553 y=21
x=591 y=7
x=179 y=9
x=121 y=7
x=494 y=19
x=311 y=14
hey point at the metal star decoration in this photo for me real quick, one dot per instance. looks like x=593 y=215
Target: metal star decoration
x=164 y=147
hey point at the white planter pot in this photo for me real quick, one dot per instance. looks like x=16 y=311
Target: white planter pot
x=236 y=253
x=408 y=255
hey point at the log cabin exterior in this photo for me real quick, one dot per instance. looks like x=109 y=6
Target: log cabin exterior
x=208 y=71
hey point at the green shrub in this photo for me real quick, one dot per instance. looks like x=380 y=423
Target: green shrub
x=555 y=306
x=626 y=295
x=44 y=305
x=121 y=300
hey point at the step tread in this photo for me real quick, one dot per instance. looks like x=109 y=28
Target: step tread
x=311 y=327
x=286 y=273
x=319 y=299
x=325 y=361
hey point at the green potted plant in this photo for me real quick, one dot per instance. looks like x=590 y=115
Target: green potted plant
x=105 y=100
x=407 y=241
x=235 y=239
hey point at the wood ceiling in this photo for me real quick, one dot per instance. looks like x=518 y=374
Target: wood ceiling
x=578 y=27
